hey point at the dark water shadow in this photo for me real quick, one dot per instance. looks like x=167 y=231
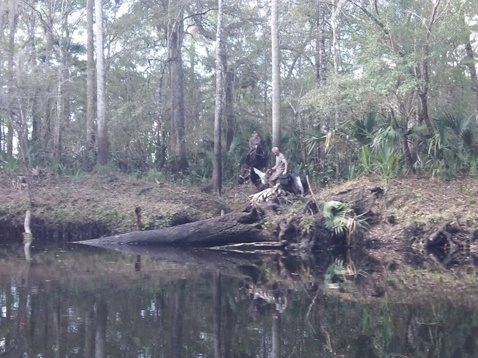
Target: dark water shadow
x=53 y=233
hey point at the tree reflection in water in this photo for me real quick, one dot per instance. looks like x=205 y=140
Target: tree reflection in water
x=88 y=302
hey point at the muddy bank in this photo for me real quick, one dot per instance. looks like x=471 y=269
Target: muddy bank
x=77 y=208
x=98 y=205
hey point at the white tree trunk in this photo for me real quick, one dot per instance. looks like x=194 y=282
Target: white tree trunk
x=276 y=122
x=57 y=128
x=219 y=110
x=101 y=128
x=90 y=78
x=12 y=27
x=335 y=48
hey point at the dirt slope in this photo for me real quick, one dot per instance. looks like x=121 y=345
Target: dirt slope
x=111 y=199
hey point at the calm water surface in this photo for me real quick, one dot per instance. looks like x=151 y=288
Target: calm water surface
x=79 y=301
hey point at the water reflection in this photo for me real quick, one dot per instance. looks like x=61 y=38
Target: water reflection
x=144 y=302
x=27 y=243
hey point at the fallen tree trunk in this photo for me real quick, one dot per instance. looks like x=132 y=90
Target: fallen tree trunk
x=232 y=228
x=303 y=228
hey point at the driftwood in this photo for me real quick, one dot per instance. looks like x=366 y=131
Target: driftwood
x=232 y=228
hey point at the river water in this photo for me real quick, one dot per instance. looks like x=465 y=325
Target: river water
x=74 y=300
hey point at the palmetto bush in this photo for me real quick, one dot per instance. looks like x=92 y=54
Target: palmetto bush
x=453 y=148
x=378 y=148
x=343 y=221
x=231 y=159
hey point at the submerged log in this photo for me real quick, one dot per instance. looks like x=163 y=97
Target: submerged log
x=232 y=228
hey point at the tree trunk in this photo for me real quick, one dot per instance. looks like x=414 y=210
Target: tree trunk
x=425 y=72
x=321 y=75
x=62 y=98
x=470 y=62
x=220 y=72
x=175 y=40
x=423 y=90
x=102 y=131
x=3 y=12
x=90 y=80
x=160 y=131
x=275 y=52
x=57 y=129
x=320 y=54
x=229 y=108
x=12 y=26
x=235 y=227
x=36 y=121
x=338 y=4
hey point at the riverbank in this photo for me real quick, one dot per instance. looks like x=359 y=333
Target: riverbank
x=90 y=206
x=109 y=203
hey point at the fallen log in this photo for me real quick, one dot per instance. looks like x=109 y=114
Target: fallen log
x=232 y=228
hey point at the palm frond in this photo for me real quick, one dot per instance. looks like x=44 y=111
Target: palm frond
x=388 y=136
x=342 y=220
x=362 y=128
x=313 y=138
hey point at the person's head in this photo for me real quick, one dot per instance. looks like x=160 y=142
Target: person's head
x=275 y=151
x=255 y=134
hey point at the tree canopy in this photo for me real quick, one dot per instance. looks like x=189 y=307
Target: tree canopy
x=366 y=87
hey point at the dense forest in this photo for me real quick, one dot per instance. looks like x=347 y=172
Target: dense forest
x=345 y=88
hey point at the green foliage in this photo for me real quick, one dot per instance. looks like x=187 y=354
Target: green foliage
x=339 y=275
x=451 y=150
x=306 y=225
x=362 y=128
x=342 y=220
x=292 y=145
x=203 y=162
x=162 y=220
x=386 y=161
x=154 y=175
x=369 y=92
x=365 y=160
x=385 y=137
x=202 y=169
x=10 y=166
x=313 y=139
x=360 y=149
